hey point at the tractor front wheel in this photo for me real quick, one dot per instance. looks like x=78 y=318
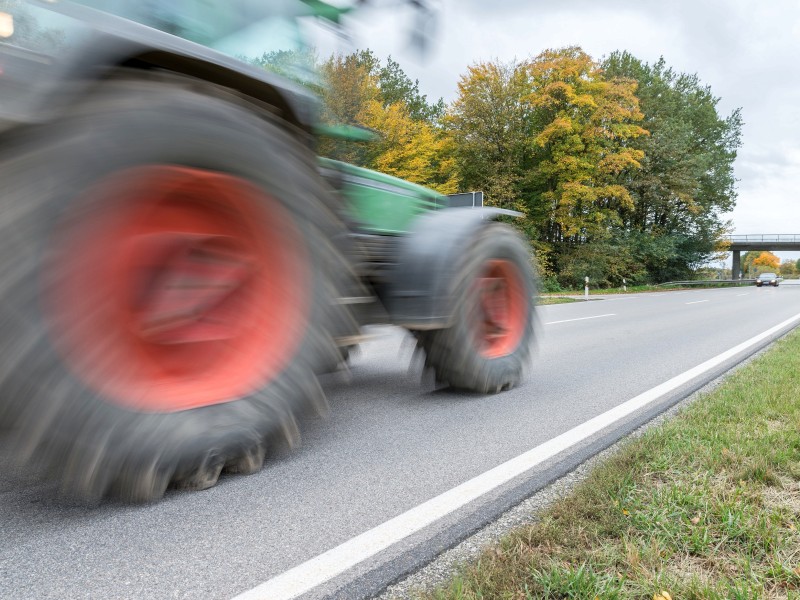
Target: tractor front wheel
x=169 y=290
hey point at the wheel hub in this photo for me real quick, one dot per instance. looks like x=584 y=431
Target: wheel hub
x=185 y=287
x=172 y=288
x=502 y=308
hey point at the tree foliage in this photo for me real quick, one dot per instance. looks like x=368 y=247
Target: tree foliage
x=686 y=183
x=768 y=260
x=409 y=148
x=361 y=91
x=759 y=261
x=621 y=168
x=583 y=124
x=491 y=129
x=550 y=137
x=396 y=87
x=788 y=267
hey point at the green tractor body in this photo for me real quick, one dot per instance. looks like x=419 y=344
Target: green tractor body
x=379 y=203
x=178 y=266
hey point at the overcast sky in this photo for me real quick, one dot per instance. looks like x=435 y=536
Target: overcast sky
x=748 y=51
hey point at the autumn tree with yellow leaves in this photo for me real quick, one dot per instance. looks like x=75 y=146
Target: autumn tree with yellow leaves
x=767 y=260
x=491 y=128
x=409 y=148
x=410 y=145
x=549 y=136
x=583 y=123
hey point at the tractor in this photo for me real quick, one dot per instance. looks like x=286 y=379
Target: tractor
x=179 y=266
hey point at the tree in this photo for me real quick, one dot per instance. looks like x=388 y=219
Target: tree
x=490 y=126
x=767 y=260
x=747 y=260
x=395 y=86
x=686 y=182
x=409 y=148
x=583 y=128
x=548 y=137
x=349 y=87
x=359 y=91
x=788 y=267
x=759 y=261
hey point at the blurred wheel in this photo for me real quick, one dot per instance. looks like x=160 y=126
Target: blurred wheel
x=487 y=348
x=169 y=286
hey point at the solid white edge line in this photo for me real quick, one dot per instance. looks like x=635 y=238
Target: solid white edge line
x=581 y=319
x=321 y=569
x=697 y=301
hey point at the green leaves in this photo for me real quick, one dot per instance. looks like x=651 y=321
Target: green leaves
x=686 y=181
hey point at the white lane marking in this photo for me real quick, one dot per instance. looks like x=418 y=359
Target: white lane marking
x=320 y=569
x=741 y=294
x=697 y=302
x=581 y=319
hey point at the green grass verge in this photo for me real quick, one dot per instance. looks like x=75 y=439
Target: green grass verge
x=638 y=289
x=555 y=300
x=706 y=505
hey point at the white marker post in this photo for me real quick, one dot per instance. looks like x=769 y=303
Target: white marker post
x=586 y=288
x=624 y=285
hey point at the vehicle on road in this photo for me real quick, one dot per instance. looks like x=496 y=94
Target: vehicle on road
x=178 y=266
x=767 y=279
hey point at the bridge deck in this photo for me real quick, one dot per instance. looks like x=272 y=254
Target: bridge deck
x=765 y=246
x=765 y=241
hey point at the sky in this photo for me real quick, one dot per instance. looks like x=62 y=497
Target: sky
x=747 y=51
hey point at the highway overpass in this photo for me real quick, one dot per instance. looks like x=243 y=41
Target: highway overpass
x=760 y=241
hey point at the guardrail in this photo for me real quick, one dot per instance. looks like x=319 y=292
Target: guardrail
x=709 y=282
x=765 y=237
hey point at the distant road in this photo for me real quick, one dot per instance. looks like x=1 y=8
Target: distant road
x=389 y=446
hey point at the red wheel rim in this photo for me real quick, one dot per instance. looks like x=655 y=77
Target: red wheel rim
x=175 y=288
x=502 y=308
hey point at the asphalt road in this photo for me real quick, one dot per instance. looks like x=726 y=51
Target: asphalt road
x=389 y=445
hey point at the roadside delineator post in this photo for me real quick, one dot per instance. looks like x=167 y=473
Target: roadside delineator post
x=586 y=288
x=624 y=285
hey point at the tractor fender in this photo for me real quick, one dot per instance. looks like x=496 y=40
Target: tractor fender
x=428 y=258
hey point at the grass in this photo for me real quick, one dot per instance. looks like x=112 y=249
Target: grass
x=555 y=300
x=705 y=506
x=630 y=290
x=634 y=289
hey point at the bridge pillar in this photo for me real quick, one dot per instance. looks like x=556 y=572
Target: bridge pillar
x=737 y=264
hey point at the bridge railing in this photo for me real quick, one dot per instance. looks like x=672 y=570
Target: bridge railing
x=765 y=237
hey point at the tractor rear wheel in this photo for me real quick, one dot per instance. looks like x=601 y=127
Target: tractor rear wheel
x=169 y=280
x=487 y=347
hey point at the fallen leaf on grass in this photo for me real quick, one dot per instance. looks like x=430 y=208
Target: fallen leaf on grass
x=664 y=595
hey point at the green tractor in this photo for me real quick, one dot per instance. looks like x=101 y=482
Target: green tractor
x=178 y=265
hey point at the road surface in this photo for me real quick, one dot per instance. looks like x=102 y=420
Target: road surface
x=389 y=445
